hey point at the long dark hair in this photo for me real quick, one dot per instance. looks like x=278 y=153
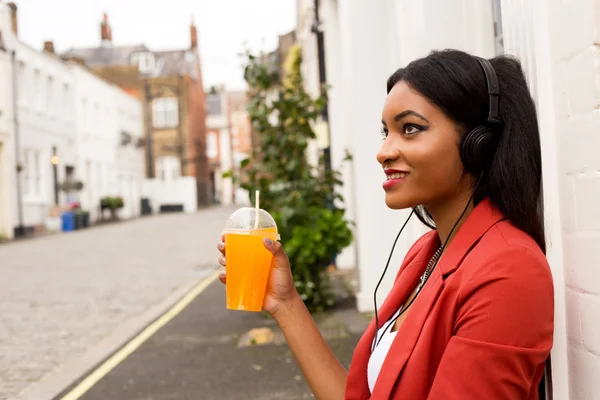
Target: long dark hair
x=454 y=81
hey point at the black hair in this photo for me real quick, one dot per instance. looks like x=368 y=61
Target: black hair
x=455 y=82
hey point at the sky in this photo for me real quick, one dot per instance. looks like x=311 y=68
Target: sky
x=225 y=27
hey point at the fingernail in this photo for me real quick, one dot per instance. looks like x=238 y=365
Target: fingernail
x=268 y=241
x=223 y=259
x=222 y=274
x=221 y=245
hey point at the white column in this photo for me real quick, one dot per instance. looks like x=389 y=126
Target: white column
x=338 y=117
x=366 y=64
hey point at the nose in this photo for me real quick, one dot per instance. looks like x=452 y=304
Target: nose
x=387 y=152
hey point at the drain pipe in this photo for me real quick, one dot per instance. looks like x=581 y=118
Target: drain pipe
x=20 y=229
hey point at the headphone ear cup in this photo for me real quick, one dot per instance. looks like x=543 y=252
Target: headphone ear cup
x=477 y=150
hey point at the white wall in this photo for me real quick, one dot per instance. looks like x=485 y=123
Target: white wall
x=338 y=118
x=179 y=191
x=130 y=157
x=558 y=43
x=46 y=121
x=6 y=147
x=367 y=44
x=106 y=165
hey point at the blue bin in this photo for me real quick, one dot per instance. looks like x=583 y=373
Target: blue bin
x=68 y=221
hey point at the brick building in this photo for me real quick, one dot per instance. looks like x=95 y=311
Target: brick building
x=169 y=84
x=229 y=141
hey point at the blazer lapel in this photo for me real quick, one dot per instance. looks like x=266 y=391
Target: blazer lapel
x=407 y=337
x=481 y=219
x=406 y=281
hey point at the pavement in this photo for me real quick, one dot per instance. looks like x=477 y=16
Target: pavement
x=208 y=352
x=70 y=301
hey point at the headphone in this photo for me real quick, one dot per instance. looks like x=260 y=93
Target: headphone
x=478 y=146
x=476 y=151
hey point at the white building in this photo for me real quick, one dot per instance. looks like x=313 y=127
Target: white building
x=109 y=127
x=7 y=164
x=558 y=45
x=69 y=125
x=45 y=126
x=219 y=147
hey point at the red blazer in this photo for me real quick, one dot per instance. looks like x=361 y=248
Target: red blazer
x=481 y=328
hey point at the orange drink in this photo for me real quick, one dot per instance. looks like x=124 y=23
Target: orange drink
x=248 y=267
x=248 y=262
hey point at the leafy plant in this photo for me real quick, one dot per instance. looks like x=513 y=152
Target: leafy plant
x=113 y=204
x=70 y=186
x=302 y=198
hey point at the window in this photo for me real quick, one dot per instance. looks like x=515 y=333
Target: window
x=50 y=95
x=168 y=168
x=212 y=150
x=23 y=88
x=65 y=109
x=145 y=62
x=31 y=174
x=213 y=104
x=37 y=179
x=95 y=117
x=84 y=113
x=37 y=89
x=26 y=173
x=165 y=113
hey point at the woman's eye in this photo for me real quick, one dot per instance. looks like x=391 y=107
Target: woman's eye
x=384 y=132
x=411 y=129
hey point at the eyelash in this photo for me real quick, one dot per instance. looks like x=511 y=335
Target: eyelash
x=419 y=128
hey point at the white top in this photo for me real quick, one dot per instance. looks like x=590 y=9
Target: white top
x=385 y=337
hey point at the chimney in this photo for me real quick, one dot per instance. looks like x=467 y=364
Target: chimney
x=105 y=31
x=13 y=18
x=49 y=47
x=193 y=35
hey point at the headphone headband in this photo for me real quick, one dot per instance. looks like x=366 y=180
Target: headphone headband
x=493 y=90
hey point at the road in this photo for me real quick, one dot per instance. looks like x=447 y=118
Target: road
x=68 y=299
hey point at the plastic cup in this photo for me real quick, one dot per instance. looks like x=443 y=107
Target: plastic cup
x=248 y=262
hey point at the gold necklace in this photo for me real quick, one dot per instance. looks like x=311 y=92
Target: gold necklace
x=429 y=268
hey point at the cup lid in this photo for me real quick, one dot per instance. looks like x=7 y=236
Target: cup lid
x=244 y=221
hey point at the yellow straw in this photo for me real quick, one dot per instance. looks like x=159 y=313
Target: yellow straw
x=257 y=208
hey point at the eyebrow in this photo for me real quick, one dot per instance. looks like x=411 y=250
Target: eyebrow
x=407 y=113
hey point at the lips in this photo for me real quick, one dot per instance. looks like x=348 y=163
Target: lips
x=394 y=177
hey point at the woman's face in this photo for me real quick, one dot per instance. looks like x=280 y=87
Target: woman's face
x=420 y=153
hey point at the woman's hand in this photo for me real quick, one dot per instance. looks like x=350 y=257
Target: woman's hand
x=280 y=289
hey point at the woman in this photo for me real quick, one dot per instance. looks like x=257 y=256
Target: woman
x=470 y=315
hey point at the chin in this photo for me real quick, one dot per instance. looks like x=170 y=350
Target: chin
x=398 y=202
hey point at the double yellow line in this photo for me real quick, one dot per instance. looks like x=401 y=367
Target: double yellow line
x=137 y=341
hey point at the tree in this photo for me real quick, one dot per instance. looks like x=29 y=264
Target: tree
x=302 y=198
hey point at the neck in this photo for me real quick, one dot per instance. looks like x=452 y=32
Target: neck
x=446 y=214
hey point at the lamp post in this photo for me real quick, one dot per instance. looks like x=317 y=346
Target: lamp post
x=149 y=130
x=55 y=160
x=20 y=228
